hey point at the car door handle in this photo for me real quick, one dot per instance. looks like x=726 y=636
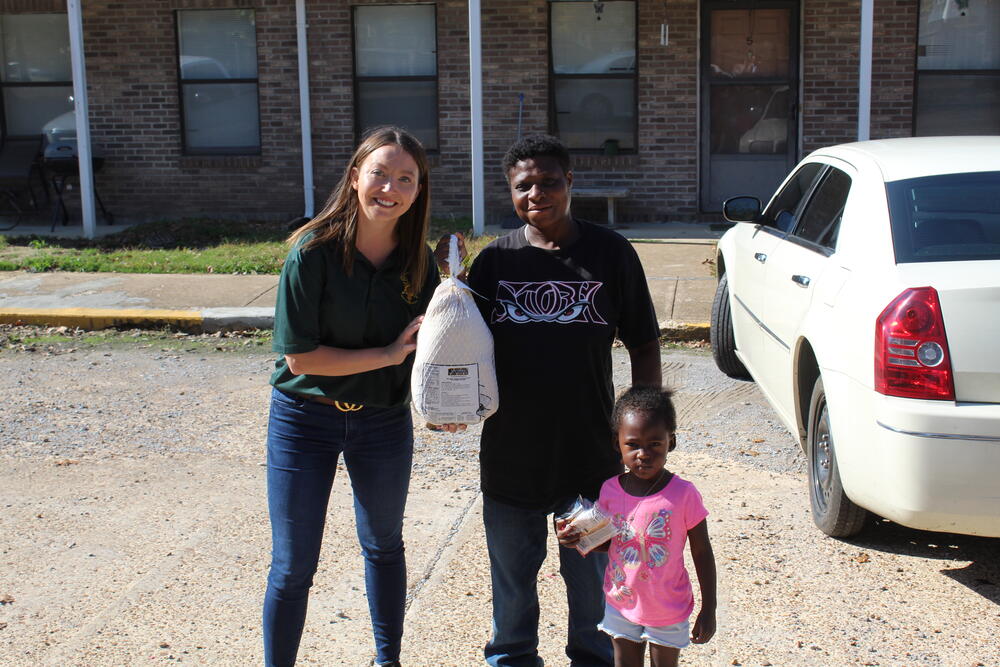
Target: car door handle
x=801 y=280
x=760 y=257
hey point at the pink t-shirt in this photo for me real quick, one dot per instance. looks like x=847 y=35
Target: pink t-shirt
x=646 y=580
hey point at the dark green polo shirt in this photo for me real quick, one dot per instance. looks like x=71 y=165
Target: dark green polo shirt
x=319 y=304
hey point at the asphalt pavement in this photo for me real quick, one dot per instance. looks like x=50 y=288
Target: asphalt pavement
x=678 y=259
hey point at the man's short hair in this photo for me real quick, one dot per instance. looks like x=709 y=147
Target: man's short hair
x=532 y=146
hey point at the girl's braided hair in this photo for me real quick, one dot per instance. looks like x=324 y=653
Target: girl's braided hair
x=652 y=401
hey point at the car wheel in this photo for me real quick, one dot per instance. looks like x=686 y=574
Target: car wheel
x=721 y=334
x=832 y=511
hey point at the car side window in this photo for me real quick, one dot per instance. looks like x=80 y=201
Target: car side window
x=784 y=207
x=820 y=221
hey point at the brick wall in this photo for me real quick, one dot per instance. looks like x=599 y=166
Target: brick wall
x=515 y=54
x=830 y=52
x=331 y=72
x=131 y=57
x=668 y=113
x=894 y=68
x=332 y=92
x=452 y=184
x=662 y=175
x=830 y=48
x=132 y=76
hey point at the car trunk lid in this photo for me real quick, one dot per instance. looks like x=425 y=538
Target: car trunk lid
x=969 y=292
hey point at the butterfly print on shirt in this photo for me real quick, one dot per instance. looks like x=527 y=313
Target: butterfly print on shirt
x=619 y=590
x=646 y=547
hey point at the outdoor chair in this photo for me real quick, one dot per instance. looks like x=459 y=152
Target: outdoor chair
x=19 y=169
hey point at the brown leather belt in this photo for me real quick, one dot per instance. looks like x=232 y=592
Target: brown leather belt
x=340 y=405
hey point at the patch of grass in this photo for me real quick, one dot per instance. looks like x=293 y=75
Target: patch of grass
x=45 y=339
x=185 y=246
x=463 y=224
x=450 y=225
x=66 y=340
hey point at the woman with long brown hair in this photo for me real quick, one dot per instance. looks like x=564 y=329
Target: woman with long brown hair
x=350 y=301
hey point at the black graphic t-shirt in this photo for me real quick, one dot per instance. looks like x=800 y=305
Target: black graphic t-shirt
x=554 y=315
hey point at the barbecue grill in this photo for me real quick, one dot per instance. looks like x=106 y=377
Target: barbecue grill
x=61 y=163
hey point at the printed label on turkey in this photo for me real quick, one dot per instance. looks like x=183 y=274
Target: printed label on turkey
x=451 y=389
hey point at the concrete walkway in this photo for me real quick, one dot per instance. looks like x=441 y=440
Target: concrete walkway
x=677 y=257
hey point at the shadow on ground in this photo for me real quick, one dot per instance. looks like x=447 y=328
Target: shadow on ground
x=981 y=575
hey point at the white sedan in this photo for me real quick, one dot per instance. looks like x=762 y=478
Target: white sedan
x=865 y=302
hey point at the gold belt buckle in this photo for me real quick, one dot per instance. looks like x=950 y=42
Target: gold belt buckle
x=347 y=407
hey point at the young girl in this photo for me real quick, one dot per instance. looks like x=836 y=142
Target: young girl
x=648 y=596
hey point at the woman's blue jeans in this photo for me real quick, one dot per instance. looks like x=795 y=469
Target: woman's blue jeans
x=517 y=539
x=304 y=441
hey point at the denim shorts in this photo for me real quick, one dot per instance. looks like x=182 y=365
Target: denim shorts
x=677 y=635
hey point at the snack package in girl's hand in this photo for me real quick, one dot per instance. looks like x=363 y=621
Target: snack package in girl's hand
x=592 y=525
x=454 y=380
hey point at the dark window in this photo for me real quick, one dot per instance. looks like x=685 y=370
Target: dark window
x=36 y=76
x=946 y=218
x=395 y=69
x=783 y=209
x=593 y=75
x=958 y=68
x=820 y=221
x=217 y=61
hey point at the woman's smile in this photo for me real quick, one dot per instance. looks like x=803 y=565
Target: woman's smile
x=387 y=182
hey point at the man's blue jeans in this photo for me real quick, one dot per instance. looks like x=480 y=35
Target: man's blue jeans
x=516 y=539
x=304 y=441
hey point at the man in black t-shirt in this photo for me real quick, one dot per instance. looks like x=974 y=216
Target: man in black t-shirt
x=558 y=292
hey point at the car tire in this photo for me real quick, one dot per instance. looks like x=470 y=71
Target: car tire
x=832 y=511
x=721 y=334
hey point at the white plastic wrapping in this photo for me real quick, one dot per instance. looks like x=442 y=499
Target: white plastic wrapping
x=454 y=380
x=593 y=525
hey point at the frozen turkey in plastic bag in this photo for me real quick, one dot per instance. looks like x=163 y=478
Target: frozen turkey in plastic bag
x=454 y=380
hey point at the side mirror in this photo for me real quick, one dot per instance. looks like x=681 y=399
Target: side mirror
x=741 y=209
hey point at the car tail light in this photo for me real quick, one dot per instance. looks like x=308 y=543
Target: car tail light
x=911 y=348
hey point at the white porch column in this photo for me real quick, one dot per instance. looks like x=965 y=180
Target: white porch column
x=865 y=70
x=75 y=11
x=476 y=108
x=308 y=189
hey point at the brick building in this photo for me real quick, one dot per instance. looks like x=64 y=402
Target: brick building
x=195 y=104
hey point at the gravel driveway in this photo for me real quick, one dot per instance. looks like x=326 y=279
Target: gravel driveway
x=133 y=529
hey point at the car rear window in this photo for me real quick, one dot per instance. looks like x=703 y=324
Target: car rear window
x=946 y=218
